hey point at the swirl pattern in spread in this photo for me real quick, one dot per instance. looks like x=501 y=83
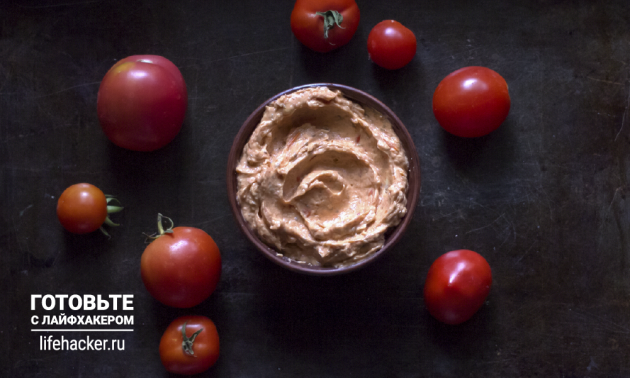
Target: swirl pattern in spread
x=322 y=178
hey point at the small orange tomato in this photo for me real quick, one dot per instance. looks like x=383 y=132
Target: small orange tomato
x=82 y=208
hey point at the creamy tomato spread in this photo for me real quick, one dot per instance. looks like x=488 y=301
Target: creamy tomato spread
x=322 y=178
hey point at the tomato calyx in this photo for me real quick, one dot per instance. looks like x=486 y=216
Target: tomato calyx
x=161 y=229
x=187 y=343
x=331 y=18
x=110 y=210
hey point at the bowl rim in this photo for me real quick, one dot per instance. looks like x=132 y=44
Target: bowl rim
x=393 y=236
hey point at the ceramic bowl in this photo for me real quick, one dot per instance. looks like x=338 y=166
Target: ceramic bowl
x=391 y=237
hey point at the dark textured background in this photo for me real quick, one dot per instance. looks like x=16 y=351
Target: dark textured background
x=544 y=198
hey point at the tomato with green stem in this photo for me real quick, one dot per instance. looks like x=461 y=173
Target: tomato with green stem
x=457 y=285
x=84 y=208
x=325 y=25
x=181 y=267
x=189 y=345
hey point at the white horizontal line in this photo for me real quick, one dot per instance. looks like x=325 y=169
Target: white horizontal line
x=82 y=330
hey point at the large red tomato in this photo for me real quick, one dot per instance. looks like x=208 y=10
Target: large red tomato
x=324 y=25
x=189 y=345
x=181 y=267
x=83 y=208
x=471 y=102
x=142 y=102
x=457 y=285
x=391 y=45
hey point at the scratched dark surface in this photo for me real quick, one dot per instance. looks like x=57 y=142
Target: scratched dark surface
x=544 y=198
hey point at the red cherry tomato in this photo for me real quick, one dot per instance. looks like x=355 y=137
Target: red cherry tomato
x=142 y=102
x=471 y=102
x=83 y=208
x=181 y=267
x=324 y=25
x=391 y=45
x=189 y=345
x=457 y=285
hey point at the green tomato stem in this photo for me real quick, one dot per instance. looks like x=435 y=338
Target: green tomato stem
x=105 y=232
x=331 y=18
x=161 y=229
x=187 y=343
x=110 y=223
x=110 y=210
x=169 y=229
